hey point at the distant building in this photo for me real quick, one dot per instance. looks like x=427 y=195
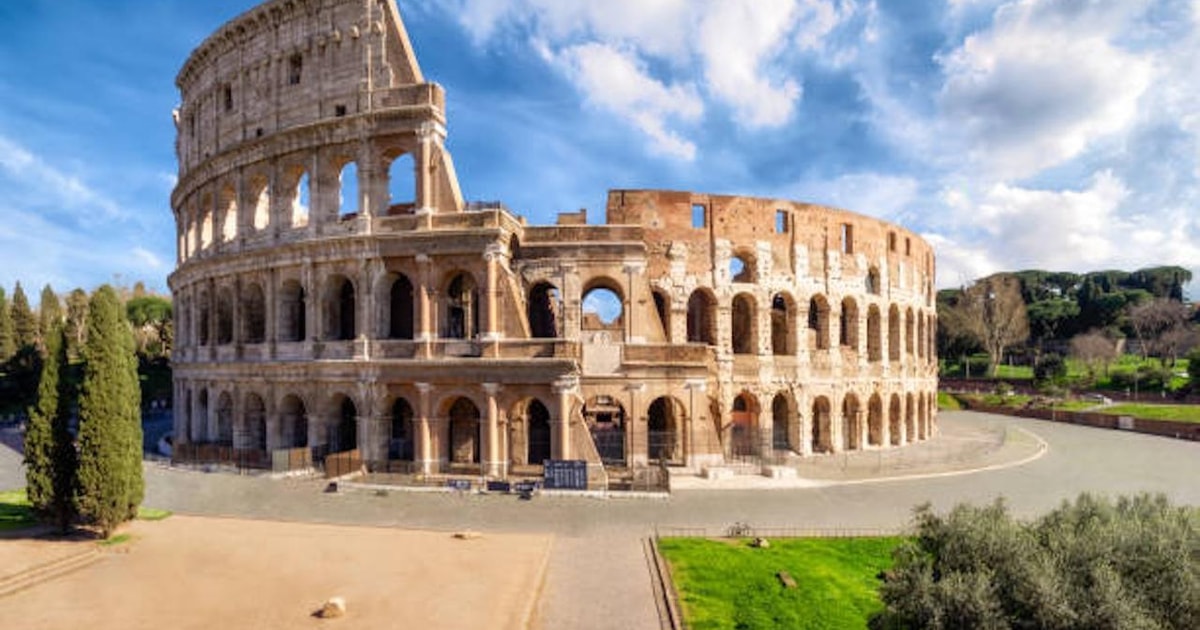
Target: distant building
x=334 y=291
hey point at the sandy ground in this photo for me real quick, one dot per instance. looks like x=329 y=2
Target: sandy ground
x=192 y=572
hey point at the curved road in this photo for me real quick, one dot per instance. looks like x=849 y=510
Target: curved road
x=597 y=576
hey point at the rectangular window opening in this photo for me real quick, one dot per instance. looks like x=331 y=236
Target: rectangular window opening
x=339 y=110
x=781 y=222
x=295 y=69
x=847 y=238
x=907 y=246
x=228 y=91
x=699 y=216
x=891 y=241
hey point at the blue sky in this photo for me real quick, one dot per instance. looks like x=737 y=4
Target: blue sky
x=1055 y=134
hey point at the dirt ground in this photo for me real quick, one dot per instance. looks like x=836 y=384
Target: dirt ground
x=191 y=572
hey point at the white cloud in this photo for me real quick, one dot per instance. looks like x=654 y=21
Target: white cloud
x=30 y=172
x=885 y=196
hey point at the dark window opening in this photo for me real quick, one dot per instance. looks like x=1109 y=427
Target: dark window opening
x=228 y=94
x=339 y=111
x=295 y=69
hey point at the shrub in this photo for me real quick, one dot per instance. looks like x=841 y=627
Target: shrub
x=1050 y=369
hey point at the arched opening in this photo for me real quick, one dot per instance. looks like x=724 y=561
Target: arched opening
x=923 y=418
x=202 y=412
x=464 y=432
x=895 y=430
x=742 y=268
x=780 y=424
x=300 y=201
x=818 y=323
x=910 y=421
x=340 y=309
x=189 y=423
x=293 y=312
x=873 y=282
x=293 y=422
x=229 y=214
x=402 y=185
x=851 y=423
x=544 y=309
x=538 y=422
x=783 y=332
x=603 y=309
x=402 y=441
x=893 y=334
x=662 y=306
x=848 y=329
x=875 y=421
x=344 y=434
x=260 y=192
x=701 y=318
x=224 y=316
x=225 y=419
x=206 y=223
x=744 y=440
x=254 y=314
x=921 y=336
x=254 y=423
x=348 y=197
x=822 y=429
x=400 y=310
x=462 y=312
x=744 y=320
x=662 y=431
x=874 y=334
x=606 y=420
x=204 y=309
x=909 y=337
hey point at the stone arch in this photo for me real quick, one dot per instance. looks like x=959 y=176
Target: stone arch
x=922 y=417
x=818 y=323
x=921 y=336
x=781 y=422
x=910 y=324
x=224 y=316
x=875 y=420
x=783 y=328
x=894 y=333
x=744 y=324
x=544 y=311
x=664 y=418
x=349 y=201
x=293 y=422
x=744 y=439
x=228 y=205
x=603 y=305
x=402 y=436
x=461 y=318
x=605 y=416
x=206 y=222
x=873 y=284
x=340 y=309
x=662 y=306
x=874 y=334
x=848 y=328
x=822 y=426
x=204 y=309
x=298 y=199
x=895 y=422
x=851 y=423
x=402 y=183
x=702 y=317
x=202 y=413
x=254 y=314
x=743 y=267
x=537 y=432
x=225 y=419
x=259 y=191
x=464 y=427
x=253 y=429
x=399 y=316
x=293 y=312
x=342 y=428
x=910 y=422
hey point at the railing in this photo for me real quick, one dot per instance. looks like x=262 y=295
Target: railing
x=560 y=234
x=201 y=454
x=409 y=96
x=667 y=353
x=343 y=463
x=393 y=349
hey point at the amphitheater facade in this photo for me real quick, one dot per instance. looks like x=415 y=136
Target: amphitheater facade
x=335 y=291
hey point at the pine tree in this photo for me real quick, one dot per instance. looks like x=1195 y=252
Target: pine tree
x=50 y=458
x=8 y=345
x=24 y=323
x=50 y=313
x=110 y=429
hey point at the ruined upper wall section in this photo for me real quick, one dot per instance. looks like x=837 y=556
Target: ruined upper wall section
x=291 y=63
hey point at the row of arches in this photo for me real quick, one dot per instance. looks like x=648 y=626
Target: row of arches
x=264 y=199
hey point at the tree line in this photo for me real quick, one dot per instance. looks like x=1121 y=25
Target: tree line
x=1037 y=315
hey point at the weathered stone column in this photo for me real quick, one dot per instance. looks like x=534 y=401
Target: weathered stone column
x=637 y=439
x=493 y=465
x=491 y=332
x=633 y=272
x=429 y=139
x=560 y=432
x=423 y=453
x=425 y=334
x=696 y=389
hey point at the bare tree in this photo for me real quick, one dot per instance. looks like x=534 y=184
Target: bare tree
x=1095 y=350
x=1162 y=329
x=995 y=314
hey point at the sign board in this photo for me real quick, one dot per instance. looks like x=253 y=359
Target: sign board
x=565 y=474
x=459 y=484
x=499 y=486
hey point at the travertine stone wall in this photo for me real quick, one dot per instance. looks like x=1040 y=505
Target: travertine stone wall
x=334 y=290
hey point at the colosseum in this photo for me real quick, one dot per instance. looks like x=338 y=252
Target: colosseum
x=335 y=292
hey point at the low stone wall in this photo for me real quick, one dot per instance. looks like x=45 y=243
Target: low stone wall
x=1166 y=428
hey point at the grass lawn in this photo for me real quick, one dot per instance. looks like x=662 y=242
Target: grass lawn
x=947 y=402
x=728 y=584
x=15 y=512
x=1183 y=413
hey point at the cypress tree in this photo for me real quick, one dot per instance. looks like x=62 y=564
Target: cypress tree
x=50 y=458
x=110 y=430
x=50 y=312
x=8 y=345
x=77 y=305
x=24 y=323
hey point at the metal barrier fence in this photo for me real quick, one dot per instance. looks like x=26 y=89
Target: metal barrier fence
x=343 y=463
x=193 y=454
x=745 y=530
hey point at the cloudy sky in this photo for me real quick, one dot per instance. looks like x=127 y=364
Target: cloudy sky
x=1055 y=134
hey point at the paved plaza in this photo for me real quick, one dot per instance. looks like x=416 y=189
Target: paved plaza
x=597 y=575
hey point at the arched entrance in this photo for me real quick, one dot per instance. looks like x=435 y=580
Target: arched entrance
x=400 y=446
x=851 y=424
x=538 y=422
x=344 y=436
x=896 y=432
x=225 y=419
x=606 y=421
x=744 y=438
x=294 y=422
x=464 y=432
x=780 y=427
x=875 y=421
x=822 y=433
x=254 y=423
x=663 y=431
